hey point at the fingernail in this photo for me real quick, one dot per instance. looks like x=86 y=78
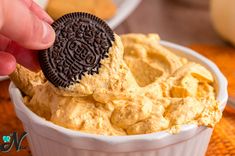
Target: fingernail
x=48 y=33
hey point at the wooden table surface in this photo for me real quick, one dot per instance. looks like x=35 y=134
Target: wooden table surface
x=175 y=21
x=180 y=21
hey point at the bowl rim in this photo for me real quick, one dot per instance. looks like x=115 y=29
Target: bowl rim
x=114 y=140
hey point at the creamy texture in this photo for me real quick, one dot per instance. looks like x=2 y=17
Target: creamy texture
x=141 y=88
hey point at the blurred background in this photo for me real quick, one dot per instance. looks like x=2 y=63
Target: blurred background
x=206 y=26
x=180 y=21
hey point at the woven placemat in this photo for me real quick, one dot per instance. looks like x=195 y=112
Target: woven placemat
x=223 y=139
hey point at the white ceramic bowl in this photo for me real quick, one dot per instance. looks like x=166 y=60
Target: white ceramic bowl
x=47 y=139
x=124 y=9
x=42 y=3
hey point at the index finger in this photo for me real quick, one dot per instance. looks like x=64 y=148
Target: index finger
x=27 y=58
x=38 y=11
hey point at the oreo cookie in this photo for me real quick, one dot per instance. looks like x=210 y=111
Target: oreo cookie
x=82 y=41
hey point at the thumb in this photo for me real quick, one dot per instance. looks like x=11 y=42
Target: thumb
x=19 y=24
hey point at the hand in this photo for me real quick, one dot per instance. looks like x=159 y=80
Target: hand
x=23 y=25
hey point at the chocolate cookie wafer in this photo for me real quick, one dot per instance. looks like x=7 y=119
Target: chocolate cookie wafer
x=82 y=41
